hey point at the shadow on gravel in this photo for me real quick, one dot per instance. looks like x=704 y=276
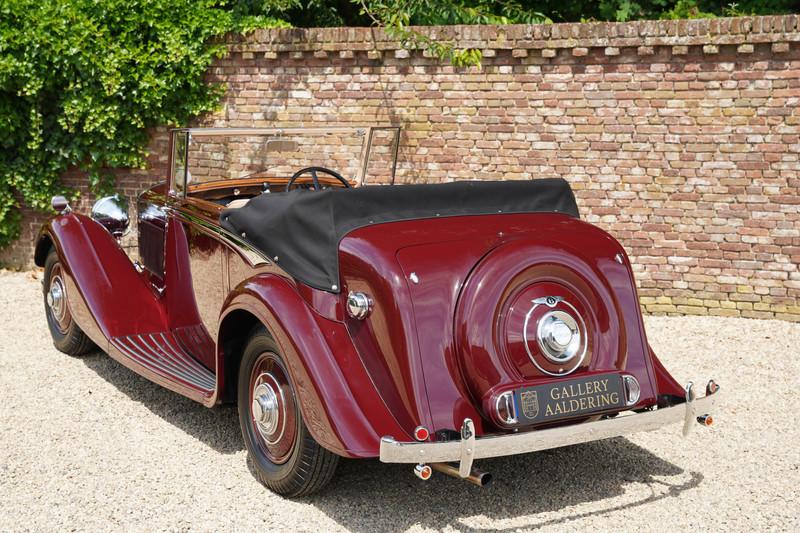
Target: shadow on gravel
x=218 y=428
x=370 y=496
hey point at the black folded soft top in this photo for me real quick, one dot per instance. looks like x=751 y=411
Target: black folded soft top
x=303 y=228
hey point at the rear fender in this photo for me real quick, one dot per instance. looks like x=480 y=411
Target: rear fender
x=340 y=405
x=108 y=298
x=667 y=385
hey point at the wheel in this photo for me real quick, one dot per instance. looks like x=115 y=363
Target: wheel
x=285 y=456
x=67 y=335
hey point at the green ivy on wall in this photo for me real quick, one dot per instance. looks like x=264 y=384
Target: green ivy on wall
x=82 y=80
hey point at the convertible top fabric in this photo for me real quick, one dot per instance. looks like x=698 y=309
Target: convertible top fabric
x=303 y=228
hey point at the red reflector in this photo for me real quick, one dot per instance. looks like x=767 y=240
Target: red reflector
x=423 y=471
x=421 y=433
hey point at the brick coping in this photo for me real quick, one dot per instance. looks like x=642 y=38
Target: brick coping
x=706 y=33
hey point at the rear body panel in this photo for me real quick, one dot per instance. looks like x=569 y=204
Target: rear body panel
x=434 y=344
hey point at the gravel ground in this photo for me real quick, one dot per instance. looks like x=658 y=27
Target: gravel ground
x=85 y=444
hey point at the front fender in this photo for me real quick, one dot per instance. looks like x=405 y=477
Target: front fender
x=112 y=298
x=340 y=405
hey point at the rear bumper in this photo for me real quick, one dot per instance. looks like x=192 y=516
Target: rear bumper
x=470 y=448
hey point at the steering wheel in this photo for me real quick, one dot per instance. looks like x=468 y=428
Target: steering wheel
x=313 y=171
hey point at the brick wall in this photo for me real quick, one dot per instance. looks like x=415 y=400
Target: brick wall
x=679 y=137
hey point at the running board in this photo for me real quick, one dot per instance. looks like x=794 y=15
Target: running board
x=164 y=358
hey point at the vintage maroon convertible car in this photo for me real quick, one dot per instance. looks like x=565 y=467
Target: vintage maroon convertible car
x=425 y=324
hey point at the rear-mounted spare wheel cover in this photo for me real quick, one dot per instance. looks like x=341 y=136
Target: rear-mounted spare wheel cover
x=546 y=327
x=530 y=312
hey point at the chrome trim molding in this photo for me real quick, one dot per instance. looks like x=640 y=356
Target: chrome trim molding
x=250 y=254
x=392 y=451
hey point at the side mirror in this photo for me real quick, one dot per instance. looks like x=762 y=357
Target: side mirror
x=112 y=213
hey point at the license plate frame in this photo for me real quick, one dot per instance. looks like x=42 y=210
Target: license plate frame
x=570 y=398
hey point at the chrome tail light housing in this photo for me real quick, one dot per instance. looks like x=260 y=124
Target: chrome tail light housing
x=632 y=390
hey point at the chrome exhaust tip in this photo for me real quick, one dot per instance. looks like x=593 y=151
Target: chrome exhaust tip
x=476 y=477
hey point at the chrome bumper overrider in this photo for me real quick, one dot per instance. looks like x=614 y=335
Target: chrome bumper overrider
x=469 y=448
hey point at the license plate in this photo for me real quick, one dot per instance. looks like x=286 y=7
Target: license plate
x=569 y=398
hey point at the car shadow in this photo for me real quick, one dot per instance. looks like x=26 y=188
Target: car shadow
x=218 y=428
x=371 y=496
x=367 y=495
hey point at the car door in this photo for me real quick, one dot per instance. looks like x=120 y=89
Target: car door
x=207 y=267
x=193 y=287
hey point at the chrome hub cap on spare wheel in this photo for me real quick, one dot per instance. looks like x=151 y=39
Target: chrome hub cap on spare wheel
x=559 y=336
x=554 y=333
x=272 y=408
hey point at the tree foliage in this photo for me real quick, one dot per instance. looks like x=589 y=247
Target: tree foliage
x=82 y=80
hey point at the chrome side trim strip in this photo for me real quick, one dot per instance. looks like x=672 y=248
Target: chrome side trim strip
x=144 y=350
x=248 y=252
x=392 y=451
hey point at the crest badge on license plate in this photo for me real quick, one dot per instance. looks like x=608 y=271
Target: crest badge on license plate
x=530 y=403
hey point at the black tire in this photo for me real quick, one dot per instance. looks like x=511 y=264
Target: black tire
x=67 y=335
x=304 y=467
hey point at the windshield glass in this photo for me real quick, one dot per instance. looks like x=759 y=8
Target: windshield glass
x=203 y=157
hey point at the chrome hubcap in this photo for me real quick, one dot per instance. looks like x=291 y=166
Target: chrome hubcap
x=268 y=408
x=559 y=336
x=56 y=300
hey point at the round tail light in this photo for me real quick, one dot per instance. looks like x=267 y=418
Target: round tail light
x=421 y=433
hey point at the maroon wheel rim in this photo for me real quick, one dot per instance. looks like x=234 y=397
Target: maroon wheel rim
x=273 y=410
x=56 y=300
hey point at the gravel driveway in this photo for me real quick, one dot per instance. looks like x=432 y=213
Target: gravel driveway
x=88 y=444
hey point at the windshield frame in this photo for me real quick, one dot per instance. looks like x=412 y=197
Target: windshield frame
x=367 y=133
